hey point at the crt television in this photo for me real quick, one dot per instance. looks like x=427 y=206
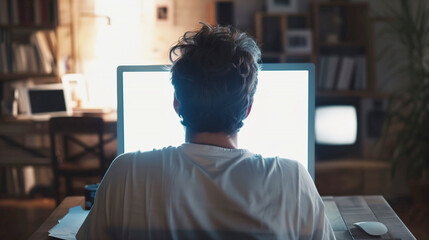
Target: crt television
x=337 y=127
x=281 y=122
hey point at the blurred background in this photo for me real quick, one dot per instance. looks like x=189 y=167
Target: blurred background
x=370 y=55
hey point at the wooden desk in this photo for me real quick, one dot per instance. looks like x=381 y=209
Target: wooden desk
x=59 y=212
x=342 y=212
x=25 y=142
x=17 y=149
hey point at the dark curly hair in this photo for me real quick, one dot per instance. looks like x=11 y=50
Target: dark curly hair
x=215 y=78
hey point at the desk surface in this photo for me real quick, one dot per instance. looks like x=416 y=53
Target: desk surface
x=59 y=212
x=341 y=211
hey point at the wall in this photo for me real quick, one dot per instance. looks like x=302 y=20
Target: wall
x=135 y=36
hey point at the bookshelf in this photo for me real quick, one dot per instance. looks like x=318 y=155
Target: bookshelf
x=284 y=37
x=345 y=67
x=343 y=49
x=36 y=44
x=35 y=39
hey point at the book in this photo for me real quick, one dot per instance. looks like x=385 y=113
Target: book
x=25 y=11
x=321 y=72
x=4 y=58
x=16 y=59
x=360 y=73
x=4 y=13
x=52 y=41
x=32 y=59
x=37 y=13
x=345 y=75
x=45 y=56
x=331 y=71
x=14 y=12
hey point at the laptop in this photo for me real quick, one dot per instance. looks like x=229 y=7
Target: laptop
x=45 y=101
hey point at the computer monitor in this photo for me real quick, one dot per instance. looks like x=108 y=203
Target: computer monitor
x=337 y=127
x=281 y=122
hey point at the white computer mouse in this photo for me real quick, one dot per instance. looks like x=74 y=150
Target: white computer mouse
x=372 y=228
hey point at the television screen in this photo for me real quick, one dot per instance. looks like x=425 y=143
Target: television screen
x=281 y=122
x=336 y=125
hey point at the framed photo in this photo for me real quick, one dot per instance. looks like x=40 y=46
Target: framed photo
x=165 y=12
x=299 y=41
x=75 y=87
x=281 y=6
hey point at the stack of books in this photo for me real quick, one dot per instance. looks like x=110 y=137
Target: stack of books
x=342 y=72
x=28 y=12
x=37 y=56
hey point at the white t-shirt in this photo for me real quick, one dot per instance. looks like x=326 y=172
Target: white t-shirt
x=205 y=192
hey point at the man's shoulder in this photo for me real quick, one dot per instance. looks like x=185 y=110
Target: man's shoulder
x=276 y=167
x=143 y=157
x=279 y=162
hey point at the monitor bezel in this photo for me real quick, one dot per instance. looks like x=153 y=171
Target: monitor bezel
x=264 y=67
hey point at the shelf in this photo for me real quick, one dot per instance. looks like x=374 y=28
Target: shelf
x=28 y=27
x=309 y=55
x=351 y=163
x=286 y=54
x=342 y=44
x=354 y=93
x=286 y=57
x=273 y=54
x=15 y=76
x=267 y=14
x=339 y=4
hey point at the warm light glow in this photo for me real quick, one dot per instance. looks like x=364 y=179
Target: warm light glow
x=134 y=37
x=103 y=47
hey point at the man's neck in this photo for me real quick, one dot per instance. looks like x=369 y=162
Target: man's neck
x=220 y=139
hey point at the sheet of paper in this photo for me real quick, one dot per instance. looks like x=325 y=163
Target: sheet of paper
x=68 y=226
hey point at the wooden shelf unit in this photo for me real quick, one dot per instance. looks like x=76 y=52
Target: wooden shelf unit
x=342 y=29
x=23 y=55
x=357 y=176
x=271 y=34
x=20 y=25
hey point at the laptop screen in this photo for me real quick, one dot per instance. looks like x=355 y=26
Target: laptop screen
x=281 y=122
x=47 y=100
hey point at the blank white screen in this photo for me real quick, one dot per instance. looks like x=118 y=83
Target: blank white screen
x=336 y=125
x=277 y=125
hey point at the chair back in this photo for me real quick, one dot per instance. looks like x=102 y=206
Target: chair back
x=72 y=140
x=68 y=128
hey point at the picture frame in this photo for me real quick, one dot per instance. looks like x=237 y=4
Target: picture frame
x=164 y=12
x=299 y=41
x=76 y=89
x=281 y=6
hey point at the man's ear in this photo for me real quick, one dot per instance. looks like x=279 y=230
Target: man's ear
x=249 y=109
x=176 y=105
